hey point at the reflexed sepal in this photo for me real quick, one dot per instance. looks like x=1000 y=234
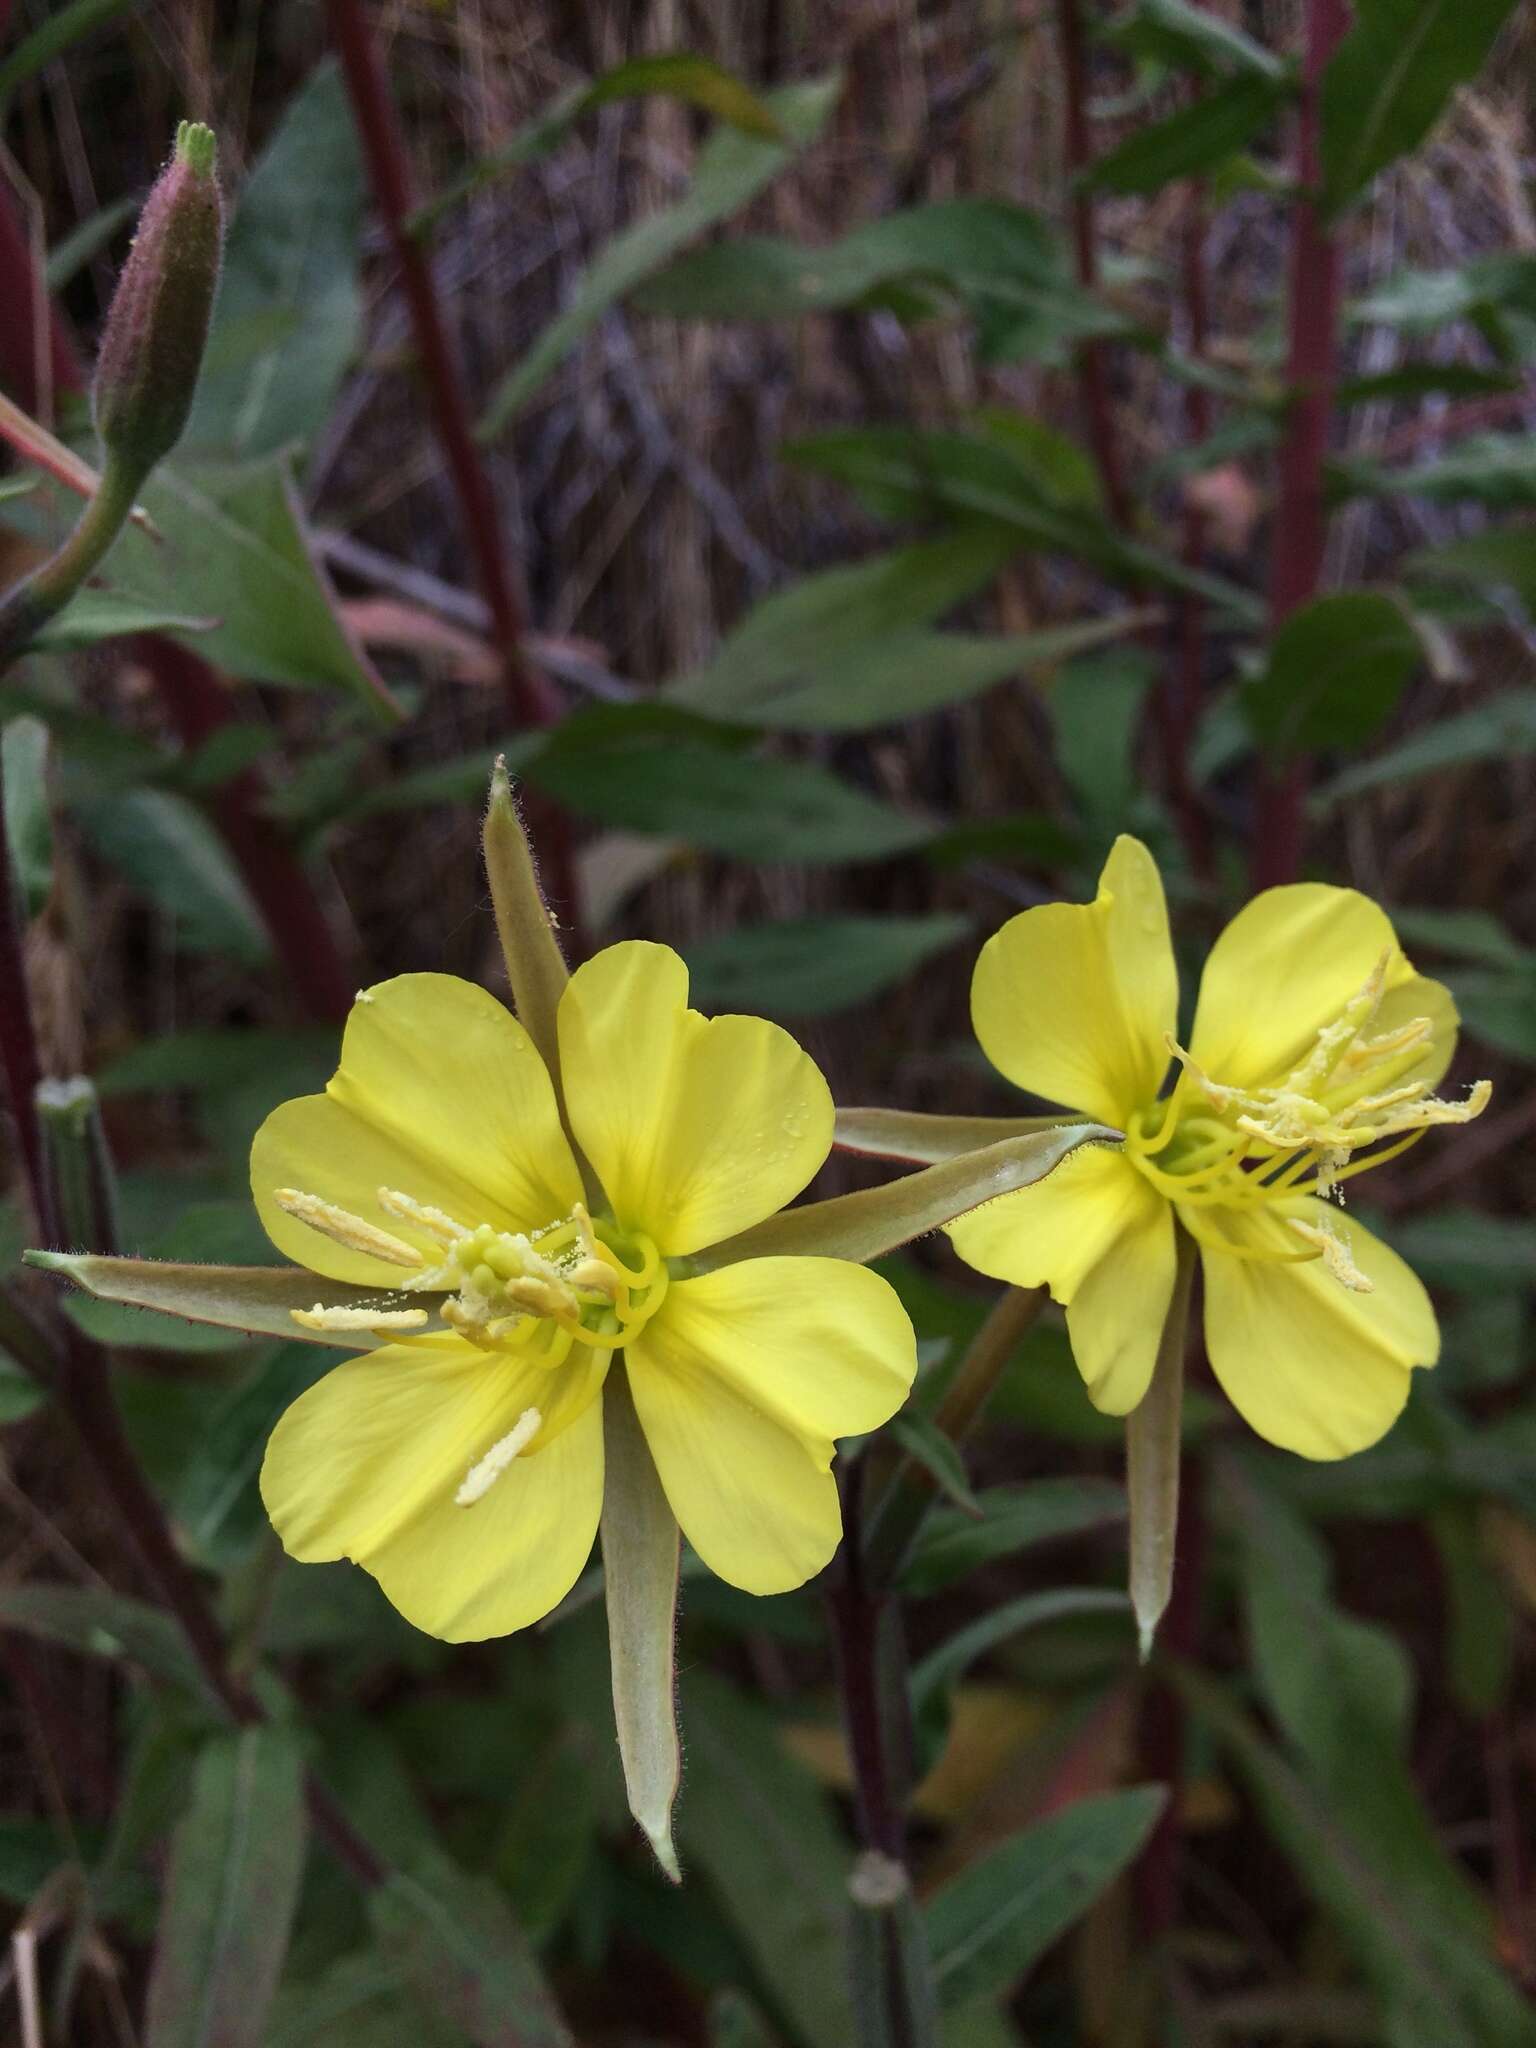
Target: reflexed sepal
x=874 y=1221
x=925 y=1139
x=641 y=1547
x=258 y=1299
x=1153 y=1445
x=535 y=965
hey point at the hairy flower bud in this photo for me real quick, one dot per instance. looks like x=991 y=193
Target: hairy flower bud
x=153 y=345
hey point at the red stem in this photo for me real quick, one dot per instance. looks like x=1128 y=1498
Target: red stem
x=1092 y=373
x=32 y=322
x=1183 y=688
x=530 y=697
x=1301 y=515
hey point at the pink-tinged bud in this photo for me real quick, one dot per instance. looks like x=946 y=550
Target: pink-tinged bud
x=152 y=349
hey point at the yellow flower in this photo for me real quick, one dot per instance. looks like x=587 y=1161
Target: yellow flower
x=1314 y=1041
x=463 y=1465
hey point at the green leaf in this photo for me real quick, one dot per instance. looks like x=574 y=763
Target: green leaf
x=28 y=823
x=761 y=1834
x=256 y=1299
x=1483 y=291
x=1096 y=710
x=1502 y=729
x=1194 y=140
x=1463 y=935
x=234 y=1884
x=1499 y=1009
x=1403 y=1911
x=990 y=1925
x=868 y=1224
x=1502 y=558
x=289 y=312
x=235 y=547
x=217 y=1503
x=1335 y=672
x=457 y=1946
x=59 y=31
x=1187 y=37
x=1469 y=1249
x=677 y=74
x=358 y=2001
x=102 y=1624
x=166 y=847
x=940 y=1457
x=1392 y=77
x=66 y=259
x=1002 y=263
x=1421 y=380
x=1498 y=470
x=942 y=1668
x=1014 y=1518
x=815 y=966
x=732 y=168
x=624 y=765
x=641 y=1548
x=96 y=615
x=902 y=473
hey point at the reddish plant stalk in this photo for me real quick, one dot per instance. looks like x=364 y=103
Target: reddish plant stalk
x=32 y=327
x=1092 y=370
x=1301 y=514
x=530 y=698
x=1182 y=689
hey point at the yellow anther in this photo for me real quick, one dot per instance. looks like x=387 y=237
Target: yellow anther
x=594 y=1276
x=433 y=1221
x=321 y=1318
x=346 y=1229
x=1335 y=1255
x=482 y=1476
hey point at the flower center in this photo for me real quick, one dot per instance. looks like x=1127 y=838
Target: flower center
x=543 y=1292
x=1346 y=1107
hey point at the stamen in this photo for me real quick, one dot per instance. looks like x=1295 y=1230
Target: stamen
x=1335 y=1255
x=438 y=1225
x=321 y=1318
x=481 y=1477
x=346 y=1229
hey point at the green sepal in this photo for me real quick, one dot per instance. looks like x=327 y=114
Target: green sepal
x=926 y=1139
x=257 y=1299
x=641 y=1551
x=874 y=1221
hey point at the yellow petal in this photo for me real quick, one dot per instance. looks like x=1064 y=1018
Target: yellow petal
x=439 y=1095
x=1286 y=966
x=1416 y=995
x=1309 y=1364
x=755 y=1498
x=1101 y=1238
x=696 y=1128
x=820 y=1345
x=1073 y=1001
x=366 y=1465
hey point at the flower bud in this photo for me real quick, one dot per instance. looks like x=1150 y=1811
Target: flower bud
x=156 y=330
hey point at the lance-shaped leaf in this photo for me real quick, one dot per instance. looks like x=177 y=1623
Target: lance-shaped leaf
x=1153 y=1446
x=925 y=1138
x=874 y=1221
x=641 y=1547
x=260 y=1300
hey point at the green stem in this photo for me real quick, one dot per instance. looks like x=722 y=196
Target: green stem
x=42 y=595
